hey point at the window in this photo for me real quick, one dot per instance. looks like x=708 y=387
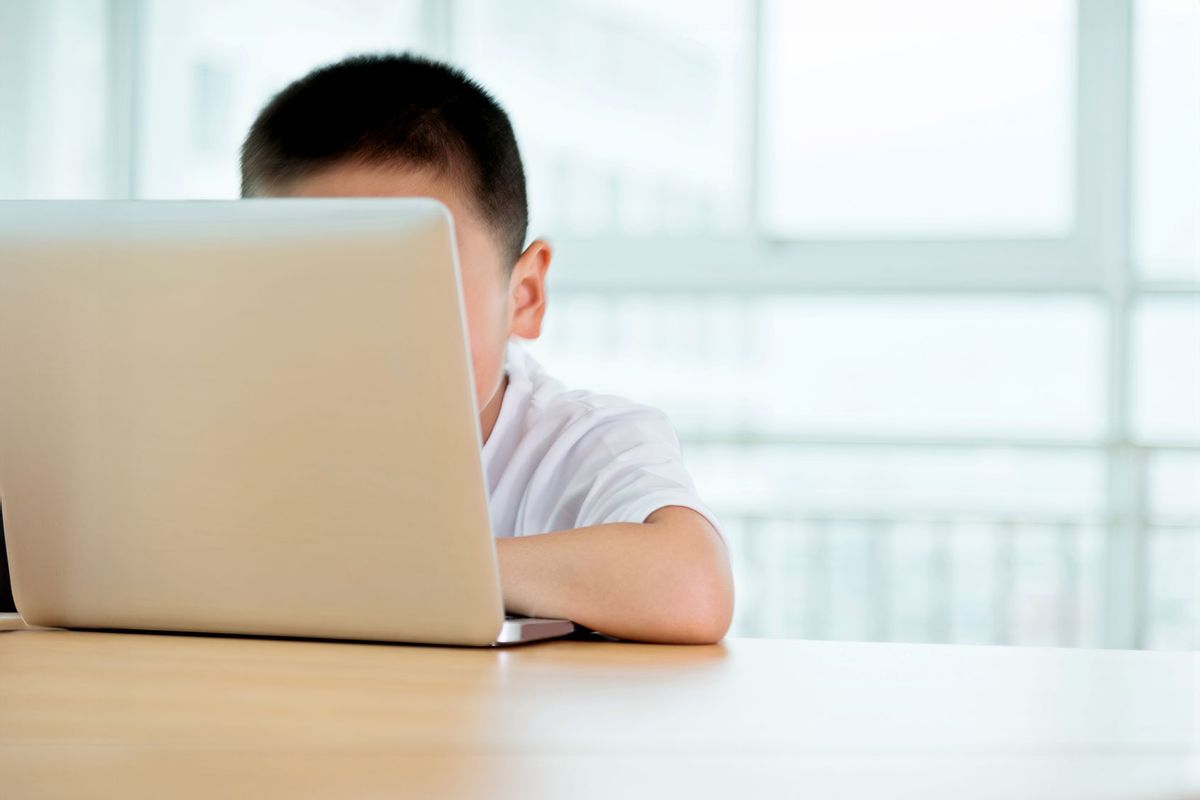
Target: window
x=1174 y=549
x=930 y=118
x=209 y=67
x=842 y=366
x=1166 y=220
x=54 y=99
x=1167 y=372
x=632 y=117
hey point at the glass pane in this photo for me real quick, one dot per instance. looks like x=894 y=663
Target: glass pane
x=848 y=366
x=1174 y=550
x=893 y=578
x=1174 y=610
x=863 y=481
x=1175 y=485
x=1166 y=102
x=964 y=544
x=936 y=117
x=633 y=117
x=1166 y=375
x=53 y=99
x=211 y=65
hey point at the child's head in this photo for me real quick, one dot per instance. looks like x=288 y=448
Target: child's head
x=403 y=126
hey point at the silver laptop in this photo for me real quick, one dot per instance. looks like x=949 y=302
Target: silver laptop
x=245 y=417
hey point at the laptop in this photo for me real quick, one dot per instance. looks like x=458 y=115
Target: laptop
x=244 y=417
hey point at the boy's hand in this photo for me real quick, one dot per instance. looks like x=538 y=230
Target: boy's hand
x=663 y=580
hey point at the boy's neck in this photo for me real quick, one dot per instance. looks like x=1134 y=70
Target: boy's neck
x=491 y=412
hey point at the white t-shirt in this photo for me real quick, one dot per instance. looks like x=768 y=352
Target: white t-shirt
x=560 y=459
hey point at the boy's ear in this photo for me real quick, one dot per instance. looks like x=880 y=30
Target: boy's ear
x=527 y=290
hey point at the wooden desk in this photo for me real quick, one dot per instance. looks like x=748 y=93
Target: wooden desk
x=142 y=715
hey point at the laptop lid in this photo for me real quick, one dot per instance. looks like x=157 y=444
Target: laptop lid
x=249 y=416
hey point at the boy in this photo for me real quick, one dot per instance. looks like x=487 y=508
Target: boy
x=597 y=520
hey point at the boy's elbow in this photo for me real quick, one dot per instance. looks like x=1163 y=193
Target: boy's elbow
x=700 y=629
x=702 y=595
x=705 y=609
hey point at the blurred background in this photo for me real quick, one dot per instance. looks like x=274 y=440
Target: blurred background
x=918 y=282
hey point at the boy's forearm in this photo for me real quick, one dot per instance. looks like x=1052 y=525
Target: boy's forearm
x=664 y=580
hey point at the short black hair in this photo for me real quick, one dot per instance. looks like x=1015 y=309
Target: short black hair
x=393 y=108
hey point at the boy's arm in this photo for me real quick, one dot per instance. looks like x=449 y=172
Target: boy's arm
x=663 y=580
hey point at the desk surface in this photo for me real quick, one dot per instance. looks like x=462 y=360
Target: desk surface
x=118 y=714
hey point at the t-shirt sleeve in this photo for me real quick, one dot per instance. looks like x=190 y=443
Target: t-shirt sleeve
x=625 y=464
